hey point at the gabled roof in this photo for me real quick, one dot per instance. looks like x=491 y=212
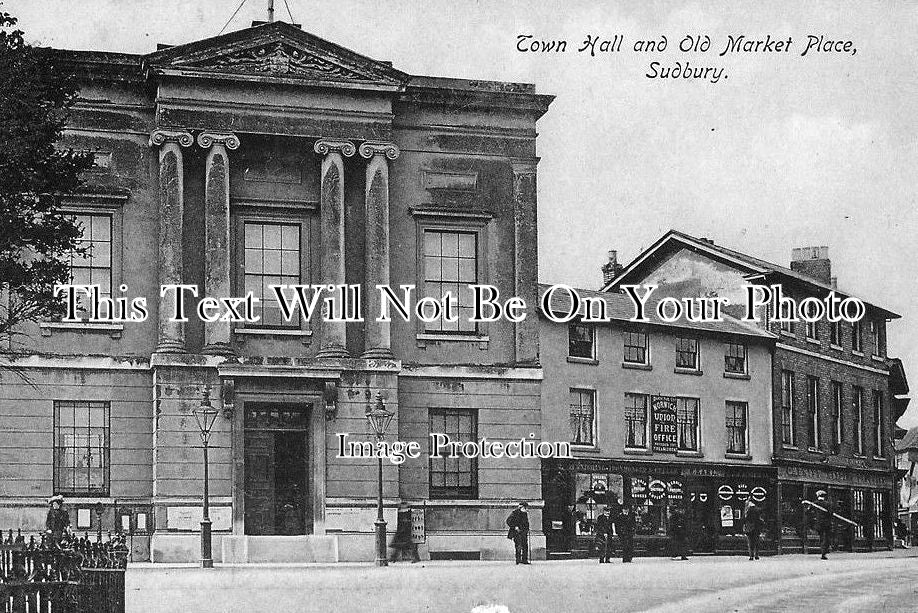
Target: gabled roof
x=752 y=266
x=620 y=309
x=275 y=50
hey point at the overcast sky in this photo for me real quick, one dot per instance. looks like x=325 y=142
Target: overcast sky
x=786 y=151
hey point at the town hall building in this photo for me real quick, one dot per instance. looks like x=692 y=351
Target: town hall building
x=269 y=156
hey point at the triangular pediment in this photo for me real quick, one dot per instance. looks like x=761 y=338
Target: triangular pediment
x=276 y=51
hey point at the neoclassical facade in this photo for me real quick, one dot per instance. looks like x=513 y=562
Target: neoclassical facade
x=262 y=157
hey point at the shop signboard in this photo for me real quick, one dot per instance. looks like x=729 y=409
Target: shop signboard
x=674 y=490
x=657 y=489
x=664 y=433
x=742 y=492
x=599 y=485
x=758 y=494
x=638 y=488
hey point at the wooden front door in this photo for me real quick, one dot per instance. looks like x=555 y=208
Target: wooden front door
x=260 y=493
x=276 y=488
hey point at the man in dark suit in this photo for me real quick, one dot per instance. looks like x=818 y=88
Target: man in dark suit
x=821 y=519
x=678 y=534
x=518 y=521
x=604 y=535
x=624 y=524
x=752 y=528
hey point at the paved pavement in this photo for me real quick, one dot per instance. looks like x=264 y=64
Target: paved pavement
x=882 y=581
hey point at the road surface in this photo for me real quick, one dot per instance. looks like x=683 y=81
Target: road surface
x=875 y=582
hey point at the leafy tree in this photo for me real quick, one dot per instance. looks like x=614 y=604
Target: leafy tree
x=36 y=239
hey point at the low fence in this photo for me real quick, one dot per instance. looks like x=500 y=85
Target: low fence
x=76 y=575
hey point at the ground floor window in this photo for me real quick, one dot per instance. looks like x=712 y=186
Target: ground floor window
x=593 y=493
x=655 y=501
x=860 y=511
x=81 y=447
x=879 y=516
x=454 y=477
x=576 y=494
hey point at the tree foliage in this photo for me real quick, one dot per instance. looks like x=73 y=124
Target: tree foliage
x=36 y=238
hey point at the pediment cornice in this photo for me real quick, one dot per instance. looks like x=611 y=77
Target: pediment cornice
x=275 y=52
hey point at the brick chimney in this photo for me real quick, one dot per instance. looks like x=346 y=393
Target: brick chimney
x=813 y=262
x=612 y=268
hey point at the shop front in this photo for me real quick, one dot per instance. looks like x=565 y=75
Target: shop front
x=863 y=496
x=712 y=497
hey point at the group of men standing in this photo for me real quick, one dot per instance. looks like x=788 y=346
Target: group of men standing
x=623 y=523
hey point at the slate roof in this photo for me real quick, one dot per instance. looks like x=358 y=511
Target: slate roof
x=620 y=309
x=909 y=441
x=756 y=265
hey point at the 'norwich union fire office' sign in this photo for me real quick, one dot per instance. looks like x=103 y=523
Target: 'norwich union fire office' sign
x=664 y=437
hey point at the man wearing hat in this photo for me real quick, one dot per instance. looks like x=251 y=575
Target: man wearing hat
x=624 y=524
x=518 y=521
x=58 y=520
x=821 y=519
x=604 y=535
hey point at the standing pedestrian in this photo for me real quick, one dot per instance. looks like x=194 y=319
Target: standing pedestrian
x=752 y=528
x=518 y=521
x=624 y=524
x=821 y=516
x=57 y=523
x=604 y=535
x=902 y=532
x=678 y=533
x=402 y=543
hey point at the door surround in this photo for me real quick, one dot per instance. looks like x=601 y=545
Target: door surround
x=316 y=445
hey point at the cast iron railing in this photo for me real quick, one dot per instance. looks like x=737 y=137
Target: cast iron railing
x=75 y=576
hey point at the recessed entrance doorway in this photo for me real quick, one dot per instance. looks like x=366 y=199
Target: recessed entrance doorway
x=276 y=487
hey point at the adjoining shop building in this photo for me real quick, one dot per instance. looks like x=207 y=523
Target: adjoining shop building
x=661 y=416
x=834 y=407
x=269 y=156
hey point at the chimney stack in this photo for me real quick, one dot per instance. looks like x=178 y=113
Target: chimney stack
x=612 y=268
x=813 y=262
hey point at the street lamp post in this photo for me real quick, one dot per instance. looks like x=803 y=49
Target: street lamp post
x=379 y=418
x=206 y=415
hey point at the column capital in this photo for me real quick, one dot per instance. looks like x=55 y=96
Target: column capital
x=524 y=166
x=324 y=146
x=370 y=148
x=227 y=139
x=161 y=137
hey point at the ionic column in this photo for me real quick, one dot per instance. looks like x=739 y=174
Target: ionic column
x=525 y=233
x=216 y=233
x=378 y=340
x=331 y=205
x=171 y=337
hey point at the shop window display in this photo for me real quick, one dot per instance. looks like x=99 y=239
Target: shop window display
x=592 y=493
x=879 y=516
x=654 y=501
x=860 y=513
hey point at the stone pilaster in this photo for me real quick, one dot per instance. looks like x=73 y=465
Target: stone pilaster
x=378 y=339
x=331 y=205
x=216 y=233
x=525 y=233
x=171 y=338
